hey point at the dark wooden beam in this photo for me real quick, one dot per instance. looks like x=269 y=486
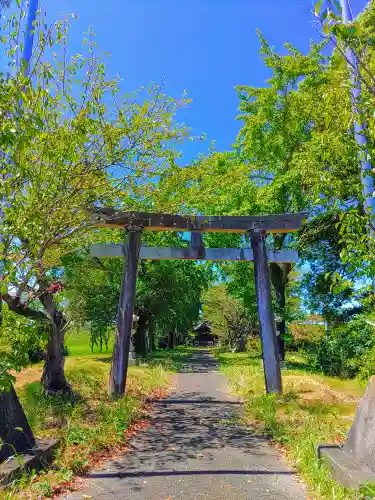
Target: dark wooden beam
x=271 y=360
x=213 y=254
x=120 y=357
x=280 y=223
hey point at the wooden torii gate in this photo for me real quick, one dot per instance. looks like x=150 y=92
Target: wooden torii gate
x=256 y=226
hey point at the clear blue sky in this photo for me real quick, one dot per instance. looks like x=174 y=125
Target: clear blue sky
x=204 y=46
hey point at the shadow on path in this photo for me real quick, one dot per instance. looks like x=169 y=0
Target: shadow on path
x=195 y=448
x=225 y=472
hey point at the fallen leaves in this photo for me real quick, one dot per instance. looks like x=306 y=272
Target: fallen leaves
x=156 y=395
x=97 y=459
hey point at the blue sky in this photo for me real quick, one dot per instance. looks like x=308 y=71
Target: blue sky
x=204 y=46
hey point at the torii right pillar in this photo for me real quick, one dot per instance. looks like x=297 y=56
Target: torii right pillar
x=271 y=359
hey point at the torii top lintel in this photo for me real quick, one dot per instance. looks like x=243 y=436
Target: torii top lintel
x=278 y=223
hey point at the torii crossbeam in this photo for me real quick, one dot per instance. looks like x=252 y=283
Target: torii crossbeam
x=256 y=226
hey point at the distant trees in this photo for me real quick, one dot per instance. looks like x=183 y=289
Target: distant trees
x=228 y=317
x=168 y=299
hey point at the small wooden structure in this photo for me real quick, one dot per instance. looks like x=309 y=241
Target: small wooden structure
x=256 y=227
x=203 y=336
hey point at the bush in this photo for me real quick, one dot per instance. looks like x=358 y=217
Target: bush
x=367 y=366
x=342 y=352
x=253 y=346
x=305 y=335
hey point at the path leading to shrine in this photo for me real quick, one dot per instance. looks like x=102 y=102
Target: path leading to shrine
x=195 y=449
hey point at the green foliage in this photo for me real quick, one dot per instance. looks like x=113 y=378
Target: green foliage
x=367 y=364
x=168 y=298
x=228 y=317
x=170 y=293
x=92 y=295
x=343 y=351
x=307 y=414
x=308 y=332
x=328 y=282
x=295 y=151
x=21 y=341
x=69 y=143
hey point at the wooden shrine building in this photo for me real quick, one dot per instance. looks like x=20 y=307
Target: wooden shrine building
x=203 y=336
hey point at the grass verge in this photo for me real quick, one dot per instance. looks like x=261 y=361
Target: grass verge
x=92 y=428
x=313 y=409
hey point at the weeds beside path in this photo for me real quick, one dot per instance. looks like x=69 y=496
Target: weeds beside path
x=94 y=427
x=195 y=447
x=313 y=409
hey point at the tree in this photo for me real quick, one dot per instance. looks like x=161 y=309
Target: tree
x=68 y=145
x=168 y=298
x=328 y=283
x=228 y=317
x=354 y=51
x=293 y=153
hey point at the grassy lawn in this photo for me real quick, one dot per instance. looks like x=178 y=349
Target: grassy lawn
x=78 y=344
x=94 y=427
x=314 y=409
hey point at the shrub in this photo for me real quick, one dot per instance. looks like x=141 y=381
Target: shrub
x=306 y=334
x=253 y=346
x=367 y=365
x=341 y=353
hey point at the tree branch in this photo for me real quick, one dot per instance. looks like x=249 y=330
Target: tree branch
x=16 y=306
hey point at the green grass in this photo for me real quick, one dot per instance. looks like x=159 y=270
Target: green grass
x=91 y=424
x=94 y=423
x=313 y=409
x=78 y=344
x=172 y=359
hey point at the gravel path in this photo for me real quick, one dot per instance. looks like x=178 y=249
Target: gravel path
x=195 y=450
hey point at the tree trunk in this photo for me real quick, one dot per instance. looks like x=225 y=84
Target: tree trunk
x=53 y=377
x=279 y=278
x=91 y=341
x=151 y=337
x=140 y=337
x=241 y=343
x=171 y=340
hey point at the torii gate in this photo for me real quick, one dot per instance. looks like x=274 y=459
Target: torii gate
x=256 y=226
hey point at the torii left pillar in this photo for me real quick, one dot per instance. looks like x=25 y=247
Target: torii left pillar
x=121 y=350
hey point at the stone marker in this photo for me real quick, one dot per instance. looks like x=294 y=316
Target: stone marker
x=15 y=433
x=38 y=457
x=353 y=464
x=19 y=451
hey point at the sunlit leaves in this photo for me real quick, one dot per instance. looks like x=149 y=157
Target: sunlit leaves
x=69 y=143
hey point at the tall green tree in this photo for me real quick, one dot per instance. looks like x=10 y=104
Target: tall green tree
x=69 y=143
x=296 y=151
